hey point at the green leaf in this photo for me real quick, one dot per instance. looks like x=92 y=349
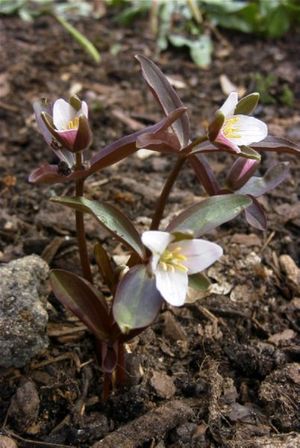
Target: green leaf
x=80 y=38
x=247 y=104
x=257 y=186
x=109 y=217
x=83 y=300
x=199 y=282
x=201 y=51
x=137 y=301
x=210 y=213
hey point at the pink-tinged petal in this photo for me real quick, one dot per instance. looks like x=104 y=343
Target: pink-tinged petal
x=157 y=242
x=226 y=142
x=240 y=172
x=230 y=104
x=172 y=285
x=247 y=130
x=200 y=254
x=63 y=113
x=68 y=137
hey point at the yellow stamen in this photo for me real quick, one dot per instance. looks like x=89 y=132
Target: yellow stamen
x=230 y=130
x=73 y=124
x=172 y=260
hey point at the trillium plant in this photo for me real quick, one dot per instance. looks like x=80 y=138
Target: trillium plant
x=163 y=263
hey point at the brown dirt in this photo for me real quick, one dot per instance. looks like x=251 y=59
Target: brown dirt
x=220 y=372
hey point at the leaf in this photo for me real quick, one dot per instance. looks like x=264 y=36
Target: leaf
x=137 y=301
x=201 y=51
x=277 y=144
x=85 y=43
x=210 y=213
x=109 y=217
x=49 y=174
x=104 y=266
x=257 y=186
x=126 y=146
x=255 y=215
x=83 y=300
x=199 y=282
x=204 y=174
x=166 y=97
x=247 y=104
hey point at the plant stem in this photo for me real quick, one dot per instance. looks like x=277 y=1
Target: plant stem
x=82 y=246
x=161 y=203
x=120 y=369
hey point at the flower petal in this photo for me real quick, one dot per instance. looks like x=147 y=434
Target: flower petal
x=227 y=142
x=63 y=112
x=199 y=254
x=68 y=137
x=249 y=130
x=172 y=285
x=230 y=104
x=157 y=242
x=83 y=110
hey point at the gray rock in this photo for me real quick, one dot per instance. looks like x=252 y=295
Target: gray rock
x=23 y=315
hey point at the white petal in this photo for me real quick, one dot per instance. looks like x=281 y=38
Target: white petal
x=249 y=129
x=173 y=286
x=199 y=253
x=157 y=242
x=83 y=110
x=63 y=112
x=230 y=104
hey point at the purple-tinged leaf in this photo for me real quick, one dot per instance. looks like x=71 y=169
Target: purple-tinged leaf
x=199 y=282
x=209 y=213
x=83 y=300
x=207 y=147
x=257 y=186
x=49 y=174
x=240 y=172
x=110 y=218
x=126 y=146
x=247 y=104
x=165 y=142
x=255 y=215
x=204 y=174
x=104 y=266
x=137 y=301
x=277 y=144
x=166 y=97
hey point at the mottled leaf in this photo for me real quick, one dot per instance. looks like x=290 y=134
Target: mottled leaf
x=109 y=217
x=210 y=213
x=257 y=186
x=137 y=301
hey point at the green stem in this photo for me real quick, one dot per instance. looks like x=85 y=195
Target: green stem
x=161 y=203
x=83 y=253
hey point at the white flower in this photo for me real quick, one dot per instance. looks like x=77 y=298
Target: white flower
x=239 y=130
x=173 y=261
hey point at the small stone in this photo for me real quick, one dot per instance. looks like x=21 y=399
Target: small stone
x=23 y=315
x=291 y=270
x=163 y=385
x=6 y=442
x=285 y=336
x=24 y=407
x=246 y=240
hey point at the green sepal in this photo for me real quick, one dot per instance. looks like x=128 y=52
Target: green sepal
x=216 y=125
x=247 y=104
x=199 y=282
x=249 y=153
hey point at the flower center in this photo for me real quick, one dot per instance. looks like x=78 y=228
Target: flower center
x=171 y=260
x=73 y=124
x=230 y=128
